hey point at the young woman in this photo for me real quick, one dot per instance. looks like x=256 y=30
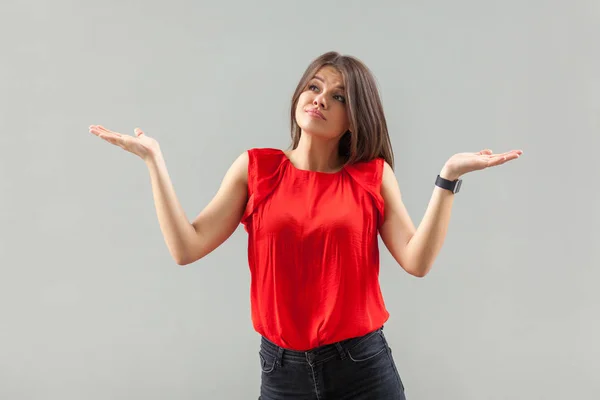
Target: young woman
x=313 y=214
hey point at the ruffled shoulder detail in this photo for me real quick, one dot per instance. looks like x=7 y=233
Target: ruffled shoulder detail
x=369 y=175
x=265 y=169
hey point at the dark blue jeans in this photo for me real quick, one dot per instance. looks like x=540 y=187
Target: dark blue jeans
x=357 y=368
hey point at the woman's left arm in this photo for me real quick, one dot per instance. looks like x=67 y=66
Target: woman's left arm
x=416 y=249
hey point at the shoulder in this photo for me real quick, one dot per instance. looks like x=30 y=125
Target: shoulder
x=253 y=163
x=264 y=157
x=389 y=183
x=263 y=164
x=387 y=173
x=369 y=171
x=265 y=152
x=376 y=172
x=368 y=175
x=264 y=172
x=238 y=171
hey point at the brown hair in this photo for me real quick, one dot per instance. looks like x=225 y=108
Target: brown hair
x=369 y=138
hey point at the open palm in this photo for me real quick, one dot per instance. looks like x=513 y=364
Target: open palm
x=140 y=144
x=462 y=163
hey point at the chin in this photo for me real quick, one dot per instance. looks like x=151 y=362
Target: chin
x=317 y=130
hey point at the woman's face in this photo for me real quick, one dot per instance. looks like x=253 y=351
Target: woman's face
x=321 y=108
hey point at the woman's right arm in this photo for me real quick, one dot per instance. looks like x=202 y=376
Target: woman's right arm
x=189 y=242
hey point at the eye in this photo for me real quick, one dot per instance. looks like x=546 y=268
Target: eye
x=339 y=97
x=313 y=87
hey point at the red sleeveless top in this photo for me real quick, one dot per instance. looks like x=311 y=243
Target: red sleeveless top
x=313 y=250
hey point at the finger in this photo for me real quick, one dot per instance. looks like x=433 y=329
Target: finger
x=110 y=138
x=97 y=130
x=103 y=129
x=510 y=153
x=121 y=141
x=500 y=159
x=485 y=152
x=94 y=129
x=104 y=134
x=496 y=161
x=138 y=132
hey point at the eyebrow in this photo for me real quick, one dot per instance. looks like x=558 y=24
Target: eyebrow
x=317 y=77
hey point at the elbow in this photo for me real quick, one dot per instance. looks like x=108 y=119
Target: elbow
x=419 y=271
x=188 y=255
x=419 y=274
x=183 y=259
x=182 y=262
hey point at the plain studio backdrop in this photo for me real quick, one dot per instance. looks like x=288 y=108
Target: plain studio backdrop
x=93 y=307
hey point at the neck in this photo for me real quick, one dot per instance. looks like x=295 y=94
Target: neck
x=316 y=154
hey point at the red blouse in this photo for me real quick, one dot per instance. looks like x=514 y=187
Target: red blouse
x=313 y=250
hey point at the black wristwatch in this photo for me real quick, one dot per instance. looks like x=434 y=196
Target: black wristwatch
x=453 y=186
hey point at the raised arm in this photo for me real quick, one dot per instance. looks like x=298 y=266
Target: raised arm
x=416 y=249
x=187 y=241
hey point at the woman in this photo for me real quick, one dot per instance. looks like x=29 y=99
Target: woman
x=313 y=214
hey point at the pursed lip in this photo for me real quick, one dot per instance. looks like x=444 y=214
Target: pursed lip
x=316 y=112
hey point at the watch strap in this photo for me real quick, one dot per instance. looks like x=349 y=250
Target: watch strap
x=453 y=186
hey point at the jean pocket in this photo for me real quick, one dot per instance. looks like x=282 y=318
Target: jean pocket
x=368 y=348
x=267 y=362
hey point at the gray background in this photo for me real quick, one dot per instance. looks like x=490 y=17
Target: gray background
x=93 y=307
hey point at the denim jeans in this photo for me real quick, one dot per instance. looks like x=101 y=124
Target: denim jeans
x=357 y=368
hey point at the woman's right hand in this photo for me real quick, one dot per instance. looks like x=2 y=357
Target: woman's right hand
x=141 y=145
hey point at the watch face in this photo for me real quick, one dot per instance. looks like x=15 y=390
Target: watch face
x=458 y=185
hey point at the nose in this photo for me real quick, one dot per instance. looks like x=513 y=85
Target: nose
x=319 y=101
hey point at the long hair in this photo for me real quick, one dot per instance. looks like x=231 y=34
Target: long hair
x=368 y=138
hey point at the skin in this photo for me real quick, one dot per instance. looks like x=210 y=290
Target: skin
x=414 y=248
x=317 y=149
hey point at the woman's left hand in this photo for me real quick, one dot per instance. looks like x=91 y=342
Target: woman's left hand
x=462 y=163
